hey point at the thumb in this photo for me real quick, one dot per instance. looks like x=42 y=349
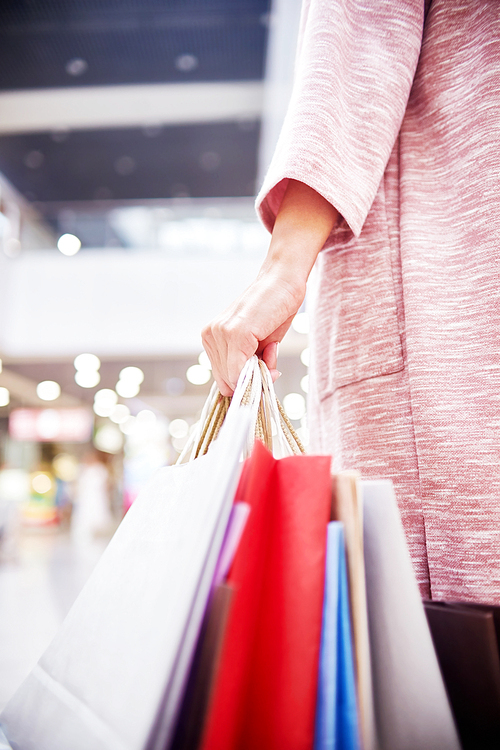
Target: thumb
x=270 y=355
x=275 y=374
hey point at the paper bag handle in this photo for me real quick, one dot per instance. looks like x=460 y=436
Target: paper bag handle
x=256 y=390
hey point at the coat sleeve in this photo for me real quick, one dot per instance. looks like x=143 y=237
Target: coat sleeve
x=356 y=60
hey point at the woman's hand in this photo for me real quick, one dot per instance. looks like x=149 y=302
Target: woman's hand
x=254 y=324
x=257 y=321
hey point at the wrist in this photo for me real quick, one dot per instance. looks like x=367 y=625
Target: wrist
x=291 y=256
x=288 y=271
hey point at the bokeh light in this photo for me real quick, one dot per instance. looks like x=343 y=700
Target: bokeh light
x=108 y=439
x=48 y=390
x=129 y=426
x=132 y=374
x=68 y=244
x=41 y=483
x=127 y=388
x=179 y=443
x=14 y=485
x=106 y=397
x=301 y=323
x=294 y=405
x=146 y=417
x=65 y=467
x=105 y=401
x=103 y=410
x=178 y=428
x=198 y=375
x=87 y=362
x=87 y=378
x=204 y=360
x=120 y=414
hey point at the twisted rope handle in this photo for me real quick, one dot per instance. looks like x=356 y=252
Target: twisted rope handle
x=255 y=385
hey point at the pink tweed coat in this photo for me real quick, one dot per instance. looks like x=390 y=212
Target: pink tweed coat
x=395 y=119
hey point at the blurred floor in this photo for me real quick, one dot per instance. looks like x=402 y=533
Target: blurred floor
x=38 y=584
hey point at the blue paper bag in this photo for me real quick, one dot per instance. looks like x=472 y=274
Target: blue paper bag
x=336 y=713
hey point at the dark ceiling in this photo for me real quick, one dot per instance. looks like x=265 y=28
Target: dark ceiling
x=130 y=41
x=208 y=160
x=73 y=43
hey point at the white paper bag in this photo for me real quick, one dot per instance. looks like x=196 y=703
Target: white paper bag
x=411 y=706
x=112 y=679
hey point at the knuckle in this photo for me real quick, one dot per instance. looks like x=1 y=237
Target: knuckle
x=223 y=325
x=207 y=333
x=232 y=328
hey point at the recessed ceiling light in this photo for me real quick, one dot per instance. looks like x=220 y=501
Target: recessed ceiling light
x=186 y=63
x=103 y=194
x=34 y=159
x=59 y=135
x=125 y=165
x=151 y=131
x=210 y=161
x=77 y=66
x=179 y=190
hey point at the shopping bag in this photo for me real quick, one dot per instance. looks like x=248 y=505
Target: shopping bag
x=205 y=663
x=265 y=690
x=207 y=655
x=348 y=508
x=113 y=677
x=466 y=638
x=411 y=705
x=336 y=710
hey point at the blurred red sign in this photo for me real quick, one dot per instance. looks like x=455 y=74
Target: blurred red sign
x=48 y=425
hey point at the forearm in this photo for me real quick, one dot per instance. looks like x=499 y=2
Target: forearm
x=303 y=224
x=261 y=316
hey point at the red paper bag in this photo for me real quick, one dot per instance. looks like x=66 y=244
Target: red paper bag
x=265 y=690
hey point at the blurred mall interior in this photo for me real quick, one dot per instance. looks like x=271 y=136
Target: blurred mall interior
x=133 y=138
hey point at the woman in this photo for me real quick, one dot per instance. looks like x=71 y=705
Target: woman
x=387 y=172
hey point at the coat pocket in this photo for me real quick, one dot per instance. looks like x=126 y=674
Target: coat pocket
x=357 y=331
